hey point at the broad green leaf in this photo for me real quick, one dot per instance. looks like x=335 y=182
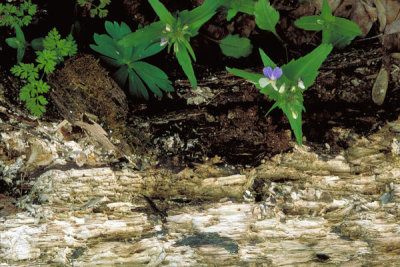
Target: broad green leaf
x=37 y=43
x=266 y=16
x=310 y=23
x=184 y=60
x=306 y=68
x=266 y=60
x=162 y=12
x=236 y=47
x=147 y=35
x=343 y=32
x=12 y=42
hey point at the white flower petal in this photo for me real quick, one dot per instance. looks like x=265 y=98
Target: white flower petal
x=301 y=84
x=272 y=82
x=264 y=82
x=282 y=88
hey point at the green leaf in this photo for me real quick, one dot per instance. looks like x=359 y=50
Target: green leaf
x=37 y=44
x=154 y=77
x=186 y=64
x=162 y=12
x=47 y=60
x=236 y=47
x=266 y=16
x=231 y=13
x=121 y=75
x=306 y=68
x=146 y=35
x=12 y=42
x=197 y=17
x=295 y=122
x=115 y=30
x=342 y=33
x=245 y=6
x=310 y=23
x=136 y=86
x=326 y=12
x=25 y=92
x=267 y=62
x=253 y=77
x=143 y=51
x=20 y=54
x=336 y=31
x=42 y=87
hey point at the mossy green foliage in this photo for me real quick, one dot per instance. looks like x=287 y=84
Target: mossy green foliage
x=55 y=49
x=336 y=31
x=128 y=60
x=12 y=16
x=97 y=8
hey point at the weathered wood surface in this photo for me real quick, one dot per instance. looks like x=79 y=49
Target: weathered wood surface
x=300 y=208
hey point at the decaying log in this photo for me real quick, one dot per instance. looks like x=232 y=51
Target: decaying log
x=299 y=208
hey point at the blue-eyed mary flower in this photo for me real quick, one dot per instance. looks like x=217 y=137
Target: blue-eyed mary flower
x=272 y=75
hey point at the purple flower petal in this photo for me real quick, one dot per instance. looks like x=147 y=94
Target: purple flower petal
x=272 y=74
x=268 y=72
x=276 y=73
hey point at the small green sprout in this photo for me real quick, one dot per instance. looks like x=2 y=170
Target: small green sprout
x=336 y=31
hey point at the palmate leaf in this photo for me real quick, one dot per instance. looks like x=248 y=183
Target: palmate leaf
x=266 y=16
x=136 y=86
x=115 y=30
x=153 y=77
x=234 y=46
